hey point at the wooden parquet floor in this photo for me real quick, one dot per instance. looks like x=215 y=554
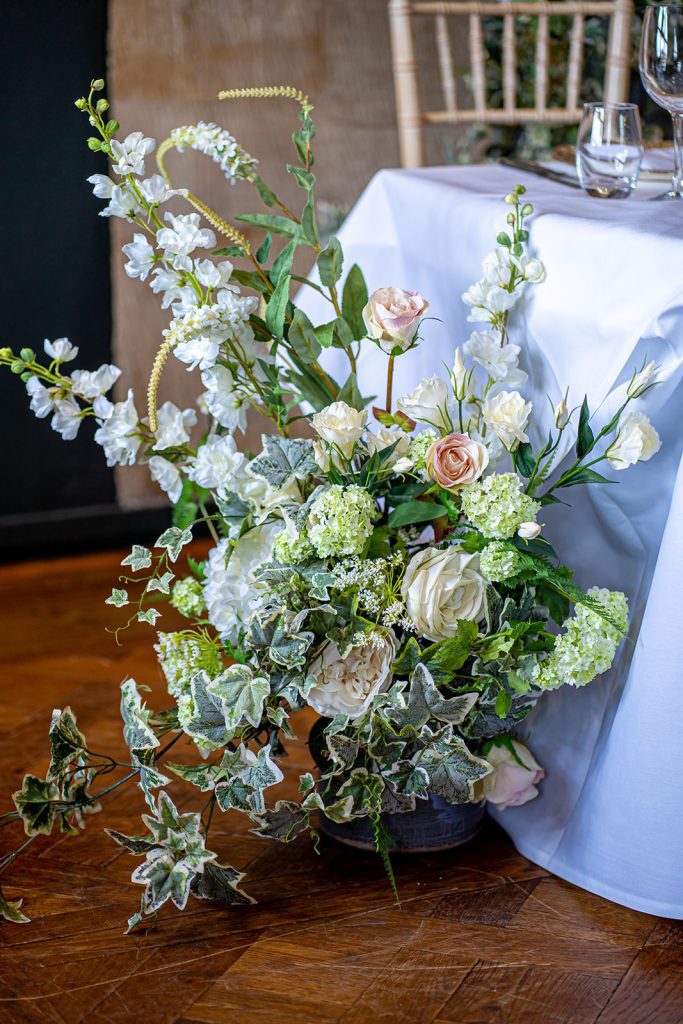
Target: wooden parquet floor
x=482 y=936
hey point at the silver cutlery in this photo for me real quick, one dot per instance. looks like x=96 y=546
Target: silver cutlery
x=528 y=167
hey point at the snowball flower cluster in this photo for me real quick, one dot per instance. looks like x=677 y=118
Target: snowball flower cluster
x=340 y=520
x=420 y=445
x=498 y=562
x=292 y=546
x=588 y=645
x=497 y=506
x=187 y=597
x=217 y=143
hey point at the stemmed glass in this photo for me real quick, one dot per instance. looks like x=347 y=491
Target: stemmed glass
x=661 y=71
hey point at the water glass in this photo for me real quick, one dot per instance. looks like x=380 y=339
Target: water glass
x=609 y=149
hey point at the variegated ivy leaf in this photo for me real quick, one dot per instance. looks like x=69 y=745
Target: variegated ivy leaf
x=288 y=647
x=150 y=777
x=139 y=558
x=424 y=702
x=135 y=845
x=150 y=615
x=242 y=694
x=168 y=875
x=200 y=775
x=242 y=778
x=283 y=822
x=67 y=742
x=168 y=822
x=118 y=598
x=452 y=769
x=220 y=882
x=319 y=584
x=394 y=802
x=136 y=731
x=283 y=459
x=35 y=802
x=352 y=798
x=234 y=510
x=306 y=782
x=342 y=749
x=408 y=778
x=161 y=583
x=174 y=540
x=10 y=910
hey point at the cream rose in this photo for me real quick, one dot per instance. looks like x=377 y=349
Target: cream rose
x=456 y=460
x=347 y=685
x=440 y=588
x=637 y=441
x=428 y=402
x=384 y=437
x=392 y=317
x=506 y=413
x=341 y=425
x=514 y=777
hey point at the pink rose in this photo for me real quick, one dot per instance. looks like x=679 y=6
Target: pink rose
x=456 y=460
x=514 y=777
x=392 y=317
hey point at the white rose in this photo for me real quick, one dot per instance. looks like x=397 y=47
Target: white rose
x=428 y=402
x=506 y=414
x=392 y=317
x=440 y=588
x=514 y=777
x=384 y=437
x=347 y=685
x=340 y=425
x=637 y=441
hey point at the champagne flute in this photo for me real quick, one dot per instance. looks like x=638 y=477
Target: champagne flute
x=661 y=71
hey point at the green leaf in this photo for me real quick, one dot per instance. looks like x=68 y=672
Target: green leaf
x=524 y=459
x=220 y=882
x=251 y=279
x=67 y=742
x=308 y=221
x=10 y=910
x=263 y=251
x=35 y=803
x=277 y=307
x=174 y=540
x=444 y=658
x=303 y=338
x=305 y=179
x=282 y=264
x=284 y=459
x=139 y=558
x=503 y=703
x=279 y=225
x=269 y=198
x=408 y=658
x=587 y=476
x=350 y=393
x=118 y=598
x=284 y=822
x=330 y=262
x=585 y=438
x=232 y=252
x=452 y=769
x=414 y=512
x=354 y=300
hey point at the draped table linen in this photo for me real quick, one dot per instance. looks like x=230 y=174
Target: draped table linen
x=610 y=814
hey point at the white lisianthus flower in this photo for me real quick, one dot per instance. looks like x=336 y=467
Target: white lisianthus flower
x=167 y=476
x=637 y=441
x=173 y=426
x=230 y=592
x=67 y=418
x=506 y=414
x=529 y=531
x=427 y=403
x=118 y=433
x=91 y=384
x=561 y=414
x=499 y=361
x=221 y=399
x=384 y=437
x=42 y=398
x=61 y=350
x=128 y=157
x=392 y=317
x=346 y=685
x=183 y=237
x=321 y=456
x=515 y=775
x=440 y=588
x=340 y=425
x=140 y=257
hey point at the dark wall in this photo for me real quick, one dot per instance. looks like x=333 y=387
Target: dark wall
x=54 y=249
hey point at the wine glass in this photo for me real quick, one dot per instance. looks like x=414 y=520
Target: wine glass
x=661 y=71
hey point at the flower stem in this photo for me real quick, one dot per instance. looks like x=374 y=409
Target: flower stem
x=390 y=382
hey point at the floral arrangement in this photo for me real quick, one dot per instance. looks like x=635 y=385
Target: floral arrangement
x=388 y=570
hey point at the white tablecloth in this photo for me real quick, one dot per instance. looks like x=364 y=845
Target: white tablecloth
x=610 y=814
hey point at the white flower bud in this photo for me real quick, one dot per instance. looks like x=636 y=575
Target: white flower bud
x=529 y=531
x=640 y=382
x=561 y=414
x=459 y=377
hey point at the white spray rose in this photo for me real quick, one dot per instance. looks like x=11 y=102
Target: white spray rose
x=428 y=402
x=392 y=317
x=440 y=588
x=341 y=425
x=506 y=413
x=637 y=441
x=347 y=685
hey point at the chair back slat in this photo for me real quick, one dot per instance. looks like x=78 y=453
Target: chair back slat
x=412 y=119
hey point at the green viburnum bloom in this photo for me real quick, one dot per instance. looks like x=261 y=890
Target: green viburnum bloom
x=420 y=445
x=340 y=520
x=588 y=645
x=292 y=546
x=498 y=562
x=188 y=597
x=497 y=505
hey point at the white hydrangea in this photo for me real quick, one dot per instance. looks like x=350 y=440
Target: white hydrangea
x=340 y=520
x=217 y=143
x=118 y=433
x=497 y=505
x=230 y=592
x=588 y=645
